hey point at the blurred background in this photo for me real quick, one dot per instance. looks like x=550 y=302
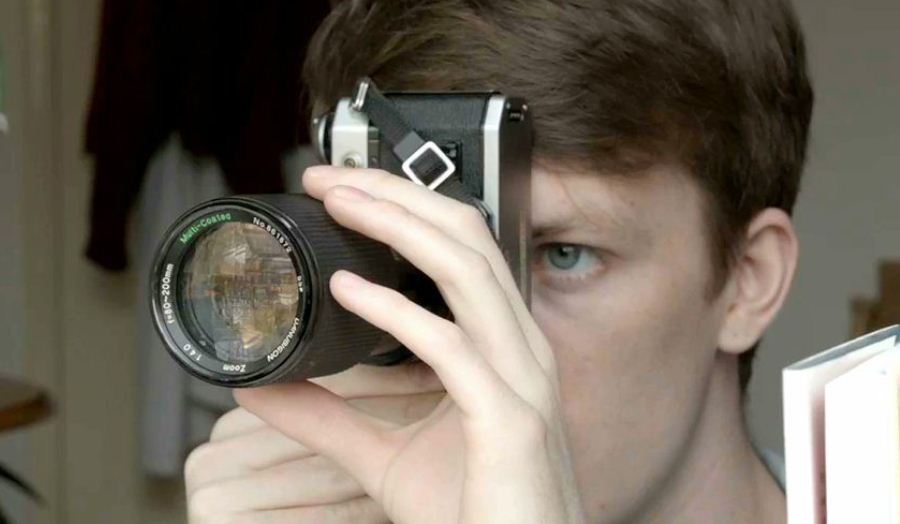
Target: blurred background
x=112 y=421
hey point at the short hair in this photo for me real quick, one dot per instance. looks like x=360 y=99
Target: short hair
x=720 y=86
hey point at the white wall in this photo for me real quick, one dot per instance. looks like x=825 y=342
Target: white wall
x=848 y=216
x=28 y=198
x=73 y=322
x=13 y=446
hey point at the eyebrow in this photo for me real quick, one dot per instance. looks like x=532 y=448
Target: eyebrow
x=596 y=219
x=557 y=225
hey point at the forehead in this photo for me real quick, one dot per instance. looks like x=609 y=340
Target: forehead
x=641 y=205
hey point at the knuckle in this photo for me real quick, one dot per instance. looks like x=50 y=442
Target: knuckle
x=468 y=217
x=221 y=426
x=198 y=459
x=469 y=221
x=393 y=300
x=455 y=336
x=205 y=503
x=406 y=225
x=451 y=335
x=466 y=265
x=530 y=426
x=477 y=265
x=227 y=422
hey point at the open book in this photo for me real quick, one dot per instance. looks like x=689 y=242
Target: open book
x=842 y=433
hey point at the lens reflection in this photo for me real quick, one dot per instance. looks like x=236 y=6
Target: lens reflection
x=239 y=292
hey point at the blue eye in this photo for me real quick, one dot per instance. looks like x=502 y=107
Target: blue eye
x=567 y=268
x=562 y=256
x=568 y=257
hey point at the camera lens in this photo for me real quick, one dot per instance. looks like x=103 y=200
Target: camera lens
x=239 y=292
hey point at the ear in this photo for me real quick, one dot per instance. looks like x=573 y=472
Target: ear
x=759 y=280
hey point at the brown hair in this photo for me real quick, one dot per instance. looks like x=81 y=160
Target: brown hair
x=718 y=85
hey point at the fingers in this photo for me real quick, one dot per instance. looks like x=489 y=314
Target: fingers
x=236 y=422
x=377 y=381
x=314 y=480
x=446 y=213
x=469 y=379
x=459 y=220
x=223 y=459
x=261 y=475
x=361 y=510
x=326 y=424
x=463 y=275
x=399 y=409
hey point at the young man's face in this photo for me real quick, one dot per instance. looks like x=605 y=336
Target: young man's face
x=629 y=319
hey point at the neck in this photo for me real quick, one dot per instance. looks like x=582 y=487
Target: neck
x=720 y=478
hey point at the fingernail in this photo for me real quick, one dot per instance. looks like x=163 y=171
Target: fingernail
x=351 y=194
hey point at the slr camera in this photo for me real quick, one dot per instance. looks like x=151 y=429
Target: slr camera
x=239 y=286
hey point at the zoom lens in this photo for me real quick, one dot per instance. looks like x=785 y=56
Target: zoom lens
x=240 y=292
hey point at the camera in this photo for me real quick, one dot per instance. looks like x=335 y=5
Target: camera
x=239 y=286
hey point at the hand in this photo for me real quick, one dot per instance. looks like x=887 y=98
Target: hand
x=497 y=367
x=249 y=472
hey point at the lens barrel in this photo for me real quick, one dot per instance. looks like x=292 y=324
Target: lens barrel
x=239 y=291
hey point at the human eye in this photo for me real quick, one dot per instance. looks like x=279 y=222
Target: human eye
x=564 y=265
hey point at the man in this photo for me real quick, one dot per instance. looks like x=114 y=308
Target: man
x=669 y=141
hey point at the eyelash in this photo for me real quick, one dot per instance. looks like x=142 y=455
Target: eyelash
x=560 y=277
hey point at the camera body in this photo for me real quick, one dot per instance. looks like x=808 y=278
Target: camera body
x=239 y=286
x=487 y=136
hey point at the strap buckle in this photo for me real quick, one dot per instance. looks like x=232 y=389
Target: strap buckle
x=448 y=166
x=359 y=99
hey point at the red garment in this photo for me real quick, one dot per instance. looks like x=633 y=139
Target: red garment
x=223 y=74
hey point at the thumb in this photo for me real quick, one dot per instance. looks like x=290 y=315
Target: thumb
x=325 y=423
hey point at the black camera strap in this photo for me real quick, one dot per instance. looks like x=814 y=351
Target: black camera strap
x=423 y=161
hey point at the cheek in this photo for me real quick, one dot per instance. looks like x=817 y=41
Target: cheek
x=631 y=347
x=634 y=353
x=644 y=327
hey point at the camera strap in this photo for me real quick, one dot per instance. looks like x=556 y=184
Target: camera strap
x=423 y=161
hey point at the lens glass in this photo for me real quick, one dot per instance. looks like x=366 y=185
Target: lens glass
x=238 y=292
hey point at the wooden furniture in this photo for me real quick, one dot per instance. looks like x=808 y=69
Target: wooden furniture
x=871 y=314
x=21 y=404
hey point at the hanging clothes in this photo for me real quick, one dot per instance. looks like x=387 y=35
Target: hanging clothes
x=224 y=75
x=170 y=419
x=177 y=411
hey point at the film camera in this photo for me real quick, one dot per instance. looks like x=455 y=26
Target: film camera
x=239 y=288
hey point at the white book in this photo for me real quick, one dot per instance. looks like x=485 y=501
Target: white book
x=862 y=442
x=804 y=427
